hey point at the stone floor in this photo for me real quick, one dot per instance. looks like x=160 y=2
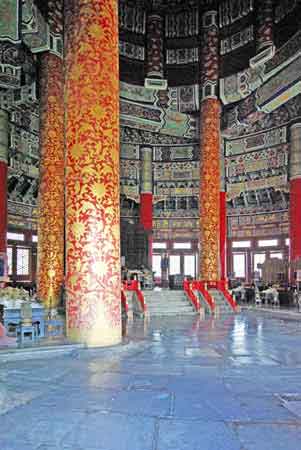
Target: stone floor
x=175 y=384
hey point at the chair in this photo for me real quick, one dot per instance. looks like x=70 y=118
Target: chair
x=26 y=327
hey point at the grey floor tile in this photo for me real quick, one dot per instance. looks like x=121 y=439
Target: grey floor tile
x=270 y=436
x=112 y=432
x=176 y=435
x=180 y=384
x=8 y=443
x=193 y=406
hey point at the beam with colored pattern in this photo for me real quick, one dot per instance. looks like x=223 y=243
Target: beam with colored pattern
x=93 y=278
x=51 y=194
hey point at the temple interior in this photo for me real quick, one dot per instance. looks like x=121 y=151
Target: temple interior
x=150 y=190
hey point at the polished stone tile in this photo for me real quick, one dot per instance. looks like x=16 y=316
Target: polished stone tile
x=193 y=406
x=177 y=435
x=8 y=443
x=36 y=425
x=228 y=408
x=220 y=384
x=266 y=408
x=262 y=385
x=134 y=402
x=104 y=431
x=269 y=436
x=253 y=360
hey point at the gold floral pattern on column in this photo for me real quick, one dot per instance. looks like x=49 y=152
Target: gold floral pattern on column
x=51 y=193
x=93 y=280
x=210 y=190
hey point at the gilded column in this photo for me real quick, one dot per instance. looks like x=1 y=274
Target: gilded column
x=93 y=279
x=264 y=33
x=295 y=196
x=209 y=151
x=51 y=194
x=3 y=178
x=146 y=195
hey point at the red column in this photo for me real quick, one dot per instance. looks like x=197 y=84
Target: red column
x=146 y=196
x=146 y=210
x=3 y=179
x=146 y=220
x=295 y=219
x=295 y=199
x=3 y=206
x=249 y=271
x=223 y=235
x=51 y=223
x=93 y=269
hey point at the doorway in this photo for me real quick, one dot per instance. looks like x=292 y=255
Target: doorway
x=179 y=265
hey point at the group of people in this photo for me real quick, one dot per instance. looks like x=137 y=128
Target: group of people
x=141 y=274
x=267 y=295
x=254 y=294
x=137 y=274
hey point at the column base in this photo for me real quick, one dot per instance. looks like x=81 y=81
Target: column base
x=95 y=338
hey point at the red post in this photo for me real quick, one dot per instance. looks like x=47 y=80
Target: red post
x=3 y=206
x=146 y=219
x=295 y=199
x=3 y=179
x=223 y=235
x=295 y=219
x=146 y=197
x=146 y=210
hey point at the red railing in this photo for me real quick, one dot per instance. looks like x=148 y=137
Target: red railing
x=200 y=286
x=134 y=286
x=222 y=287
x=227 y=295
x=191 y=295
